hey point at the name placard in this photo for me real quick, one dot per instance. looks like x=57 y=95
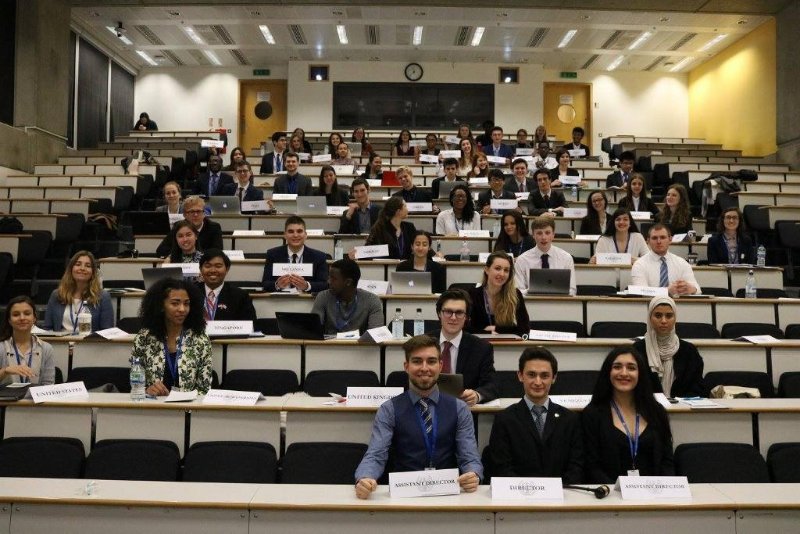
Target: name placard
x=452 y=139
x=176 y=395
x=248 y=233
x=68 y=390
x=372 y=251
x=483 y=256
x=474 y=233
x=211 y=143
x=254 y=205
x=234 y=254
x=571 y=402
x=229 y=328
x=428 y=158
x=336 y=210
x=450 y=154
x=315 y=231
x=528 y=159
x=654 y=488
x=113 y=333
x=424 y=483
x=647 y=291
x=679 y=238
x=524 y=152
x=343 y=169
x=378 y=287
x=533 y=489
x=752 y=339
x=284 y=196
x=174 y=217
x=641 y=215
x=188 y=269
x=418 y=142
x=504 y=203
x=417 y=207
x=381 y=334
x=496 y=159
x=522 y=195
x=587 y=237
x=479 y=180
x=227 y=397
x=552 y=335
x=613 y=258
x=374 y=183
x=575 y=212
x=300 y=269
x=362 y=396
x=319 y=158
x=570 y=180
x=577 y=152
x=304 y=156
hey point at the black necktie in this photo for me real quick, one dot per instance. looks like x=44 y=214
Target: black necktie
x=545 y=261
x=547 y=201
x=294 y=258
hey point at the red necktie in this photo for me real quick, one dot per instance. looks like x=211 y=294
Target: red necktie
x=446 y=367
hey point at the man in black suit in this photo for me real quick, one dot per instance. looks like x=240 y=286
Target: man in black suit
x=273 y=162
x=409 y=191
x=621 y=177
x=536 y=437
x=295 y=251
x=495 y=192
x=462 y=352
x=361 y=214
x=293 y=182
x=212 y=182
x=221 y=301
x=209 y=232
x=244 y=188
x=545 y=201
x=450 y=169
x=520 y=183
x=576 y=144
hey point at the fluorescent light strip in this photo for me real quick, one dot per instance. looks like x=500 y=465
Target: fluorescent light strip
x=682 y=63
x=616 y=63
x=477 y=36
x=267 y=34
x=123 y=38
x=417 y=38
x=212 y=57
x=641 y=39
x=193 y=35
x=567 y=38
x=147 y=58
x=342 y=31
x=713 y=41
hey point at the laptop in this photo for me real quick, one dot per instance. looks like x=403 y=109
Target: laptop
x=296 y=325
x=149 y=222
x=389 y=178
x=410 y=283
x=223 y=205
x=151 y=275
x=445 y=187
x=549 y=281
x=312 y=206
x=13 y=392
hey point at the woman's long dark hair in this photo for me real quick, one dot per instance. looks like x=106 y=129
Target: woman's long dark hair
x=682 y=216
x=468 y=213
x=175 y=252
x=400 y=137
x=503 y=242
x=383 y=232
x=611 y=231
x=5 y=329
x=591 y=213
x=151 y=312
x=368 y=168
x=334 y=188
x=643 y=398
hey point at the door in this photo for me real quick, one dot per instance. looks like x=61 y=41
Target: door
x=262 y=111
x=567 y=105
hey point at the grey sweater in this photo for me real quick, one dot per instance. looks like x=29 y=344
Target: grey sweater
x=368 y=312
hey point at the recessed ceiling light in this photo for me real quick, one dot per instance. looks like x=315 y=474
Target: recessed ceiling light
x=713 y=42
x=477 y=36
x=147 y=58
x=638 y=42
x=682 y=63
x=342 y=31
x=567 y=38
x=193 y=35
x=212 y=57
x=616 y=63
x=267 y=34
x=416 y=40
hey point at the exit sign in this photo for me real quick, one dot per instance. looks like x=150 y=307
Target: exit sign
x=260 y=72
x=565 y=74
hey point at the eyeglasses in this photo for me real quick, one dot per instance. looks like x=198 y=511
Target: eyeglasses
x=731 y=217
x=242 y=171
x=458 y=314
x=193 y=212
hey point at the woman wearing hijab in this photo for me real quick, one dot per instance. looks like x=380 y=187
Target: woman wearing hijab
x=675 y=365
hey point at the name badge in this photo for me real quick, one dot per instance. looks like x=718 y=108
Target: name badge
x=336 y=210
x=315 y=232
x=479 y=180
x=377 y=287
x=254 y=205
x=113 y=333
x=524 y=152
x=532 y=489
x=418 y=142
x=575 y=212
x=300 y=269
x=496 y=159
x=381 y=334
x=211 y=143
x=613 y=258
x=234 y=254
x=174 y=217
x=372 y=251
x=474 y=233
x=577 y=152
x=188 y=269
x=641 y=215
x=570 y=180
x=484 y=256
x=229 y=328
x=654 y=488
x=284 y=196
x=369 y=397
x=424 y=483
x=343 y=169
x=248 y=233
x=68 y=390
x=522 y=195
x=647 y=291
x=452 y=139
x=504 y=203
x=551 y=335
x=450 y=154
x=319 y=158
x=428 y=158
x=227 y=397
x=417 y=207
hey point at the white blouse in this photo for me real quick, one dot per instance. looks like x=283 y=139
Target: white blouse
x=446 y=223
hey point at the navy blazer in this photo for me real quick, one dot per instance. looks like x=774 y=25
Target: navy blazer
x=319 y=281
x=718 y=250
x=102 y=314
x=537 y=206
x=268 y=162
x=505 y=151
x=615 y=179
x=252 y=193
x=476 y=363
x=201 y=187
x=417 y=194
x=351 y=226
x=233 y=303
x=304 y=187
x=511 y=185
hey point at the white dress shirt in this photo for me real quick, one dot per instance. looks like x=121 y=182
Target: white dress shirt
x=647 y=270
x=549 y=162
x=446 y=223
x=456 y=341
x=558 y=258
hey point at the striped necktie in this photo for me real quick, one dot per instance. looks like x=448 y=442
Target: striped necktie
x=663 y=279
x=427 y=418
x=539 y=417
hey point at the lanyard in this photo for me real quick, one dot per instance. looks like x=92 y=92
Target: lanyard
x=401 y=244
x=74 y=318
x=340 y=324
x=172 y=364
x=627 y=244
x=634 y=442
x=455 y=220
x=489 y=314
x=430 y=439
x=23 y=379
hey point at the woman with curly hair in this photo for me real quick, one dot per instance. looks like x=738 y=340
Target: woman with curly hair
x=461 y=215
x=79 y=289
x=172 y=345
x=676 y=213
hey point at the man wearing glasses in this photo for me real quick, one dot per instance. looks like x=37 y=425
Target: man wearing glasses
x=209 y=232
x=243 y=188
x=462 y=352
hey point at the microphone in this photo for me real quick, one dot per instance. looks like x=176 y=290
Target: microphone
x=601 y=492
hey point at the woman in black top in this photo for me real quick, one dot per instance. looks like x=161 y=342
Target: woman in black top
x=302 y=134
x=597 y=220
x=497 y=305
x=403 y=145
x=333 y=141
x=422 y=260
x=237 y=156
x=514 y=238
x=392 y=229
x=329 y=188
x=676 y=213
x=625 y=430
x=373 y=170
x=730 y=244
x=637 y=199
x=564 y=161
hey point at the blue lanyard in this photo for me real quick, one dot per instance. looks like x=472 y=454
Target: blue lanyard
x=74 y=318
x=340 y=324
x=172 y=364
x=430 y=440
x=489 y=313
x=23 y=379
x=455 y=220
x=634 y=442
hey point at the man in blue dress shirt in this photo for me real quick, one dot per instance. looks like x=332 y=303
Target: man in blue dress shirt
x=426 y=428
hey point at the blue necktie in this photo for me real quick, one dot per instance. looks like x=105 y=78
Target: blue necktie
x=278 y=166
x=212 y=186
x=663 y=279
x=539 y=417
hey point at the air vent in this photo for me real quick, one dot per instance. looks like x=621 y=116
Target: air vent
x=207 y=34
x=590 y=62
x=297 y=34
x=199 y=57
x=537 y=37
x=682 y=41
x=462 y=35
x=611 y=41
x=148 y=34
x=373 y=34
x=239 y=57
x=222 y=34
x=655 y=63
x=402 y=35
x=172 y=57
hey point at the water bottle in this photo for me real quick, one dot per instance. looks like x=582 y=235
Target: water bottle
x=574 y=192
x=419 y=323
x=397 y=324
x=85 y=320
x=496 y=229
x=338 y=251
x=750 y=289
x=761 y=260
x=137 y=380
x=464 y=250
